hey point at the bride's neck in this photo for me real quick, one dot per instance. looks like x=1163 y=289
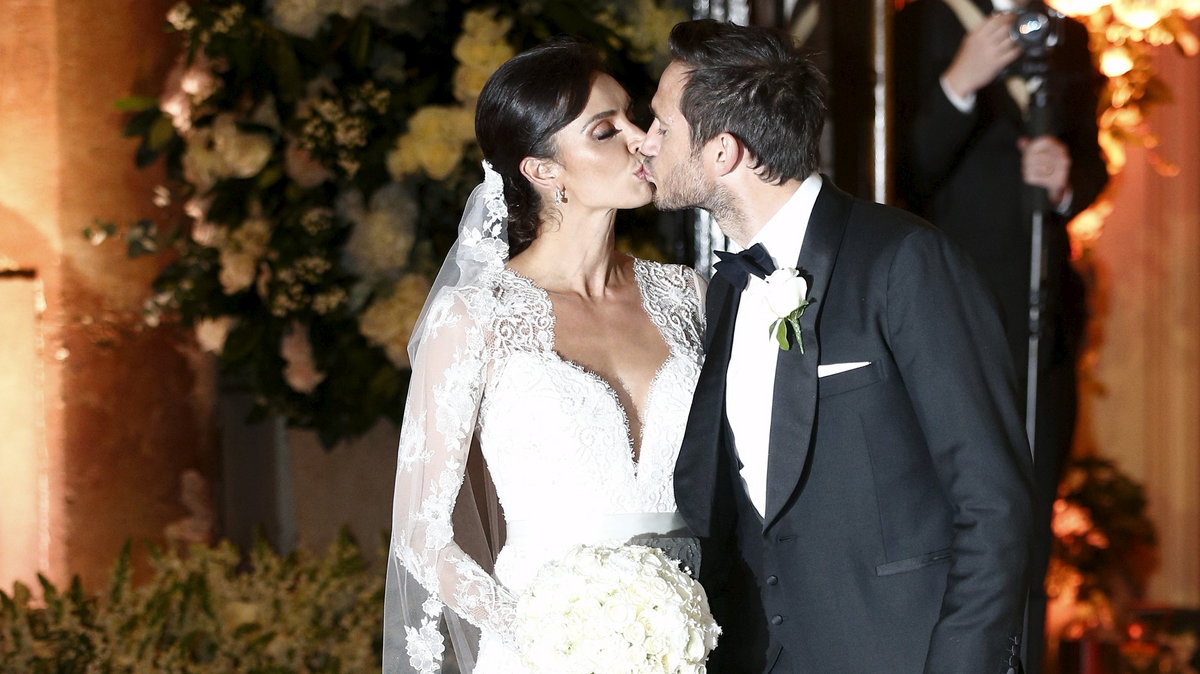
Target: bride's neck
x=574 y=255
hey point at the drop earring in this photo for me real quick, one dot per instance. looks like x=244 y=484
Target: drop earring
x=560 y=196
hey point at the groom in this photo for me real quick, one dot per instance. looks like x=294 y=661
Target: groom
x=863 y=495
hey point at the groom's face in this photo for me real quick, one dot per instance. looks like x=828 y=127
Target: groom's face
x=671 y=165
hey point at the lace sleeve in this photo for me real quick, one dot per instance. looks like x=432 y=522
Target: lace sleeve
x=428 y=568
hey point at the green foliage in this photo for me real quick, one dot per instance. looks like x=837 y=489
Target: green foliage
x=204 y=611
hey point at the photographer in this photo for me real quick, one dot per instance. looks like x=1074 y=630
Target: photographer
x=968 y=163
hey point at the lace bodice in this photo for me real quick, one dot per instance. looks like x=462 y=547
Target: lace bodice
x=555 y=435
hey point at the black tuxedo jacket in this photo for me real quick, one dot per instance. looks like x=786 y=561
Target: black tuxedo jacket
x=898 y=500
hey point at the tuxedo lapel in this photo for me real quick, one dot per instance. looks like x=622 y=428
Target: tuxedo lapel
x=794 y=403
x=696 y=471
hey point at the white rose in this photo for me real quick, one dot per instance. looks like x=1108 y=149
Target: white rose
x=237 y=271
x=302 y=18
x=211 y=333
x=180 y=16
x=243 y=154
x=301 y=371
x=198 y=80
x=202 y=165
x=178 y=106
x=783 y=291
x=382 y=238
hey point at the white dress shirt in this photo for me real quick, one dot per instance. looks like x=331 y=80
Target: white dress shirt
x=750 y=382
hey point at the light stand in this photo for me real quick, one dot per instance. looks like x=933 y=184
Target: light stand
x=1036 y=125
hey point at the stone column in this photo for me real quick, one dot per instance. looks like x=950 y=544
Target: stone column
x=111 y=413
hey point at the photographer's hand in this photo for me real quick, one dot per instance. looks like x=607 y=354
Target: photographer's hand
x=1046 y=162
x=984 y=52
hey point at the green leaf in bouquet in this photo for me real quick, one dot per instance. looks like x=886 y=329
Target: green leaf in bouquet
x=140 y=123
x=142 y=238
x=136 y=103
x=160 y=133
x=145 y=156
x=243 y=340
x=270 y=175
x=285 y=68
x=359 y=42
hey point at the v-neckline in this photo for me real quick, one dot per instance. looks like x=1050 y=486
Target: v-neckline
x=634 y=450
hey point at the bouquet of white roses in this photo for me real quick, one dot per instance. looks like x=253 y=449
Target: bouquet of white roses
x=622 y=608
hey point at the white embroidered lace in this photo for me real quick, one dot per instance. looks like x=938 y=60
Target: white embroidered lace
x=554 y=435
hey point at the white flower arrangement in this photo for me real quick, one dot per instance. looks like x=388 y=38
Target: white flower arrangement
x=275 y=117
x=623 y=608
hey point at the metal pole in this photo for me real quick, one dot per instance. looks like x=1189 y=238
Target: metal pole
x=881 y=48
x=1037 y=124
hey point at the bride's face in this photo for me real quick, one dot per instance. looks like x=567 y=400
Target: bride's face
x=597 y=152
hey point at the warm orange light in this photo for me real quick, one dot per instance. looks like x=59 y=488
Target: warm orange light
x=23 y=458
x=1086 y=228
x=30 y=245
x=1116 y=61
x=1140 y=14
x=1078 y=7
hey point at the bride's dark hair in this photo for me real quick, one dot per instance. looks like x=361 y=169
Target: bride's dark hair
x=524 y=103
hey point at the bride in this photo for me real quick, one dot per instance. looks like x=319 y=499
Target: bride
x=569 y=366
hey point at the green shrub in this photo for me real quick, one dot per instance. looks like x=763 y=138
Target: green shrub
x=204 y=611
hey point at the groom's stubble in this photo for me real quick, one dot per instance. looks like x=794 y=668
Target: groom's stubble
x=685 y=186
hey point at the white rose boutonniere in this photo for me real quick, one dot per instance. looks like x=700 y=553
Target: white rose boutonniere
x=785 y=294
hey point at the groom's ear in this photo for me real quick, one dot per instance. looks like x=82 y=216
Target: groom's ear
x=541 y=172
x=726 y=153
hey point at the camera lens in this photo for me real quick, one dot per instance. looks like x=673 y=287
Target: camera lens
x=1029 y=28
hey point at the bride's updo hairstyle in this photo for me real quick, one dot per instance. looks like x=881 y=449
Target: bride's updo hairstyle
x=524 y=103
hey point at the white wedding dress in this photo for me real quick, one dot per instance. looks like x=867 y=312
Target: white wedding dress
x=556 y=440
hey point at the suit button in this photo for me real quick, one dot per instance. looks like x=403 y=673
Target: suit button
x=777 y=620
x=772 y=580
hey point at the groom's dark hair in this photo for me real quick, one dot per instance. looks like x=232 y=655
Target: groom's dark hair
x=756 y=84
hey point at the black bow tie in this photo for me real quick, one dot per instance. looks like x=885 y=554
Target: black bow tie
x=737 y=267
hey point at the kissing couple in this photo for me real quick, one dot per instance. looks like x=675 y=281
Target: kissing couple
x=826 y=433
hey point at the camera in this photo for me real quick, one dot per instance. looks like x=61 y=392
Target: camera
x=1036 y=29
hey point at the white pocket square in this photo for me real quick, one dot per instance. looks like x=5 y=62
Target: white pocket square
x=837 y=368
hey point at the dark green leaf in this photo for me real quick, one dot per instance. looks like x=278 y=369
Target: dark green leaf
x=136 y=103
x=285 y=68
x=359 y=43
x=161 y=132
x=139 y=124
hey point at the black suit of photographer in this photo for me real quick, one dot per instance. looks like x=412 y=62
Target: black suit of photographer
x=969 y=172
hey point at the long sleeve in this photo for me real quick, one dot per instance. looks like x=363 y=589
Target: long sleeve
x=949 y=346
x=933 y=132
x=444 y=395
